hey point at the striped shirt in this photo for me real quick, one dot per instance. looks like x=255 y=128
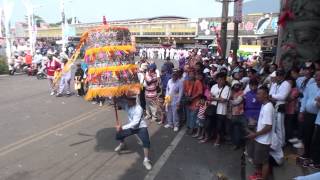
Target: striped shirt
x=202 y=109
x=151 y=87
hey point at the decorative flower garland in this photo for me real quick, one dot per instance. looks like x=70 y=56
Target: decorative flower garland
x=109 y=49
x=116 y=91
x=100 y=70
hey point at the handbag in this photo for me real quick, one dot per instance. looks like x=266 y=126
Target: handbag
x=187 y=100
x=212 y=109
x=77 y=85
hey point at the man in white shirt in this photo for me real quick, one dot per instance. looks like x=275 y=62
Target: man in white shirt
x=220 y=96
x=279 y=93
x=136 y=125
x=260 y=149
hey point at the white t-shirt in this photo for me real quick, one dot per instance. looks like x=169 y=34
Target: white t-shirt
x=265 y=118
x=215 y=91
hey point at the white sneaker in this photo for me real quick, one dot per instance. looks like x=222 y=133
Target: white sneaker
x=147 y=164
x=100 y=104
x=299 y=145
x=294 y=140
x=94 y=102
x=175 y=129
x=120 y=147
x=168 y=126
x=52 y=94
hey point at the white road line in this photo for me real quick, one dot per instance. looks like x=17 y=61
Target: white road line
x=24 y=142
x=165 y=156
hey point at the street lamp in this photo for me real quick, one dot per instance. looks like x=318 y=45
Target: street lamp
x=63 y=24
x=31 y=24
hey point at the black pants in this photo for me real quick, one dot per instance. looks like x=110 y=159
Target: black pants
x=210 y=125
x=308 y=129
x=238 y=127
x=221 y=125
x=316 y=146
x=81 y=90
x=142 y=99
x=290 y=124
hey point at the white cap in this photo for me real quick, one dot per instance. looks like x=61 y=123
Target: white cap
x=273 y=74
x=234 y=82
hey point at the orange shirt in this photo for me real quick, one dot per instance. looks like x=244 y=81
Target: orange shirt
x=28 y=59
x=197 y=90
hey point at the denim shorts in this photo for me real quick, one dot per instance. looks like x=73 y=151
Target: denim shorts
x=142 y=133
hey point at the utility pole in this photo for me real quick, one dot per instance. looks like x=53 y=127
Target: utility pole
x=224 y=25
x=237 y=19
x=63 y=20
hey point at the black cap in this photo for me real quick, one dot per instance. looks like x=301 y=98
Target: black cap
x=280 y=72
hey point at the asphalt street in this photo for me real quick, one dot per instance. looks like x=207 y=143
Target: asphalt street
x=47 y=138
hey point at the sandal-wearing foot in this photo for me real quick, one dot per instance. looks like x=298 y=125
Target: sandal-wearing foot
x=195 y=136
x=200 y=138
x=314 y=166
x=203 y=141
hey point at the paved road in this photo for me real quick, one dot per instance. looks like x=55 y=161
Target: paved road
x=48 y=138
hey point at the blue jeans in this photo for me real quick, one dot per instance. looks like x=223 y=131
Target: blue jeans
x=191 y=118
x=142 y=133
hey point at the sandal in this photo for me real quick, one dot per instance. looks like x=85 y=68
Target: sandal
x=314 y=166
x=200 y=138
x=203 y=141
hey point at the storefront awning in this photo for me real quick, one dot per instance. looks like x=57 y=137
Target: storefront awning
x=205 y=38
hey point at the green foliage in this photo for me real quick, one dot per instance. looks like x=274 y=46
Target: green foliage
x=3 y=65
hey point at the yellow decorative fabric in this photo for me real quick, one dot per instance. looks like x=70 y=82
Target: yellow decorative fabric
x=113 y=91
x=107 y=49
x=100 y=70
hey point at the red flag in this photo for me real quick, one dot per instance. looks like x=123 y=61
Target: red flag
x=104 y=20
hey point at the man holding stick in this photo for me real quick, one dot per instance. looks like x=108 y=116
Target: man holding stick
x=136 y=126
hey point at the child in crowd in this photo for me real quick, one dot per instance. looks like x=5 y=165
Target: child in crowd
x=78 y=78
x=202 y=105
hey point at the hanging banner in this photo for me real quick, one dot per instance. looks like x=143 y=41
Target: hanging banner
x=238 y=11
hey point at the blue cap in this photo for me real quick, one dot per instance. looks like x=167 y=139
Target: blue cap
x=152 y=66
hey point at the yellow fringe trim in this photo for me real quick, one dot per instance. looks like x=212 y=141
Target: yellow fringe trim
x=107 y=49
x=113 y=91
x=100 y=70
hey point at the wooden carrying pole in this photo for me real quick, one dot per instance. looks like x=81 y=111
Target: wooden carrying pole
x=116 y=112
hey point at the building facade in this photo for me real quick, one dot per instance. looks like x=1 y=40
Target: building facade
x=178 y=31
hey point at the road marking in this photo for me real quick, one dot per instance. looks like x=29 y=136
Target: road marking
x=26 y=141
x=165 y=156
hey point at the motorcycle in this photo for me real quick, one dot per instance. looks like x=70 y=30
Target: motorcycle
x=42 y=73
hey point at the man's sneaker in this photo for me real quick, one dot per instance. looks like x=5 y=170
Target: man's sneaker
x=120 y=147
x=299 y=145
x=168 y=126
x=52 y=94
x=101 y=104
x=294 y=140
x=175 y=129
x=59 y=95
x=147 y=164
x=94 y=102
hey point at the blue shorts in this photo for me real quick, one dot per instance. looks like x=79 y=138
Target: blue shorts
x=142 y=133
